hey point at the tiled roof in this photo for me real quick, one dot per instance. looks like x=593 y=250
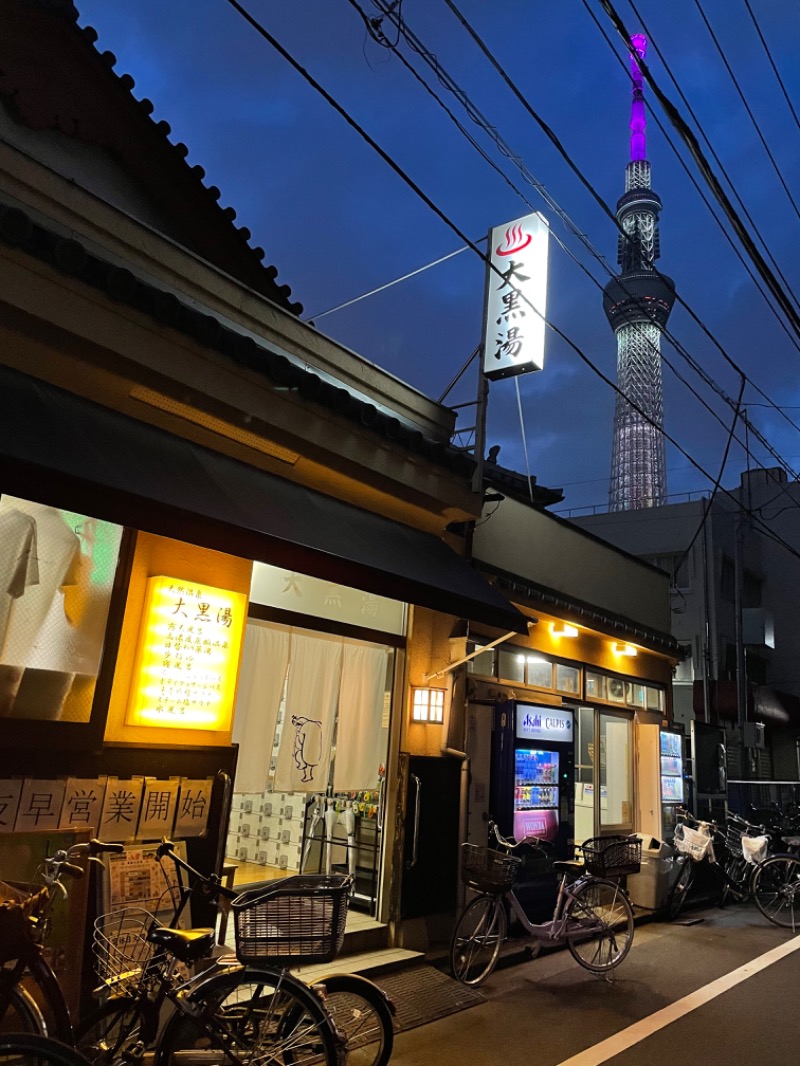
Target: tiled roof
x=53 y=77
x=70 y=257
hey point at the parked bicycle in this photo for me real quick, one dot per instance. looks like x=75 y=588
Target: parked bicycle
x=24 y=923
x=701 y=843
x=33 y=1049
x=592 y=916
x=240 y=1005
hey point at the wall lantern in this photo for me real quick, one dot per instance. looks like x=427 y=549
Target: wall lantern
x=563 y=629
x=428 y=705
x=624 y=649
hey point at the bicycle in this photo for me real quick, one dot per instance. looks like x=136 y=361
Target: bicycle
x=143 y=965
x=696 y=844
x=592 y=915
x=776 y=888
x=33 y=1049
x=24 y=924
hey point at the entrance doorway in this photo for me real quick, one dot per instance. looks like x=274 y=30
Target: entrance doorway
x=603 y=773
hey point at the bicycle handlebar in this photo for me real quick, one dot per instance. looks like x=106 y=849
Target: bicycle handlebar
x=509 y=843
x=210 y=884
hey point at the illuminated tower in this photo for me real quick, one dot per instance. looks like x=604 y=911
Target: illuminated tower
x=637 y=305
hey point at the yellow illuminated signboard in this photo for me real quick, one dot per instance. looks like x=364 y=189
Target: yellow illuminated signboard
x=188 y=655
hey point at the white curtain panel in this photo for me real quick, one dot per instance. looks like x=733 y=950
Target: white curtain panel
x=360 y=741
x=311 y=698
x=265 y=658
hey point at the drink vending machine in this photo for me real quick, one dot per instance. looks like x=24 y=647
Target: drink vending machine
x=533 y=776
x=672 y=790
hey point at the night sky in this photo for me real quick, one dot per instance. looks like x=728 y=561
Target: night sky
x=337 y=221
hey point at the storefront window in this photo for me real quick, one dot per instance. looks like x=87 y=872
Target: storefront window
x=654 y=698
x=567 y=679
x=634 y=694
x=483 y=663
x=540 y=672
x=595 y=686
x=511 y=665
x=57 y=572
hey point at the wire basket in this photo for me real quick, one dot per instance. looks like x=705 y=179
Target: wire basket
x=612 y=856
x=487 y=870
x=696 y=843
x=122 y=951
x=733 y=841
x=298 y=918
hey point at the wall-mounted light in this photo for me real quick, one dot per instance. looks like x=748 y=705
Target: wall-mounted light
x=624 y=649
x=563 y=629
x=428 y=705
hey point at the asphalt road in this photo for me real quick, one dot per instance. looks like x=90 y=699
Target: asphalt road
x=725 y=990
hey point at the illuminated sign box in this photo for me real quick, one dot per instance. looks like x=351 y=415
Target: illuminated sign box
x=516 y=298
x=188 y=656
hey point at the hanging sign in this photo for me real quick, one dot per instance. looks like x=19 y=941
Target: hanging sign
x=188 y=656
x=516 y=289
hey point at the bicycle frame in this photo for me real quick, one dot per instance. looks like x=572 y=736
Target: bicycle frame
x=558 y=929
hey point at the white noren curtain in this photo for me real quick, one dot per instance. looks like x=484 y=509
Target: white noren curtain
x=262 y=675
x=311 y=698
x=360 y=739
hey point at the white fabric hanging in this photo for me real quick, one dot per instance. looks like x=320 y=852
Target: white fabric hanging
x=311 y=697
x=360 y=740
x=265 y=658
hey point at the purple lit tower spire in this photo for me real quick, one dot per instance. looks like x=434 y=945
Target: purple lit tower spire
x=637 y=305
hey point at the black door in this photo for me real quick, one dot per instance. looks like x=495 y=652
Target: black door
x=430 y=853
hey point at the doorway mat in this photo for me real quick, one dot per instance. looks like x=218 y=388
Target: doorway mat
x=423 y=994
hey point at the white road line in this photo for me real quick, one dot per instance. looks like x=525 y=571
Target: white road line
x=639 y=1031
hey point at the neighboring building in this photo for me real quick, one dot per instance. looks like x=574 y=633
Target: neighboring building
x=733 y=568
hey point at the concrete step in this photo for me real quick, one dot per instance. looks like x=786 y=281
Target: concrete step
x=368 y=963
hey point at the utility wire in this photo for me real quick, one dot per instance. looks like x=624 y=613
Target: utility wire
x=772 y=64
x=748 y=109
x=716 y=158
x=585 y=181
x=398 y=170
x=690 y=140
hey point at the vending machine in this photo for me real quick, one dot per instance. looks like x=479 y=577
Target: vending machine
x=672 y=780
x=533 y=759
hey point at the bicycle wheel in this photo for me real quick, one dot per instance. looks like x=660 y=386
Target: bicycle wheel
x=776 y=889
x=680 y=890
x=362 y=1014
x=118 y=1029
x=253 y=1015
x=33 y=1049
x=477 y=938
x=22 y=1013
x=604 y=909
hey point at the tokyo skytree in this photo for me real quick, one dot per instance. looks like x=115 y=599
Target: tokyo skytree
x=637 y=305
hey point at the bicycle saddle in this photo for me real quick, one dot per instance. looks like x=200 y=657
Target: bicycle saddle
x=188 y=945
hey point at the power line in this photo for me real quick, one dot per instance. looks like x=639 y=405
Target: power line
x=690 y=140
x=711 y=149
x=397 y=169
x=748 y=109
x=476 y=116
x=772 y=64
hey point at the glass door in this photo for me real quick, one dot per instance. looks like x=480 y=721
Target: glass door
x=603 y=773
x=616 y=772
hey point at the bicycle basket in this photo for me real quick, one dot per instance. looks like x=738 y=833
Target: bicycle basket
x=612 y=856
x=733 y=840
x=696 y=843
x=755 y=848
x=301 y=918
x=487 y=870
x=120 y=945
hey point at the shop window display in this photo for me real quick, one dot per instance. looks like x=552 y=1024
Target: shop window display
x=56 y=576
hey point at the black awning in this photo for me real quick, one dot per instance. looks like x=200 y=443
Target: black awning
x=67 y=451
